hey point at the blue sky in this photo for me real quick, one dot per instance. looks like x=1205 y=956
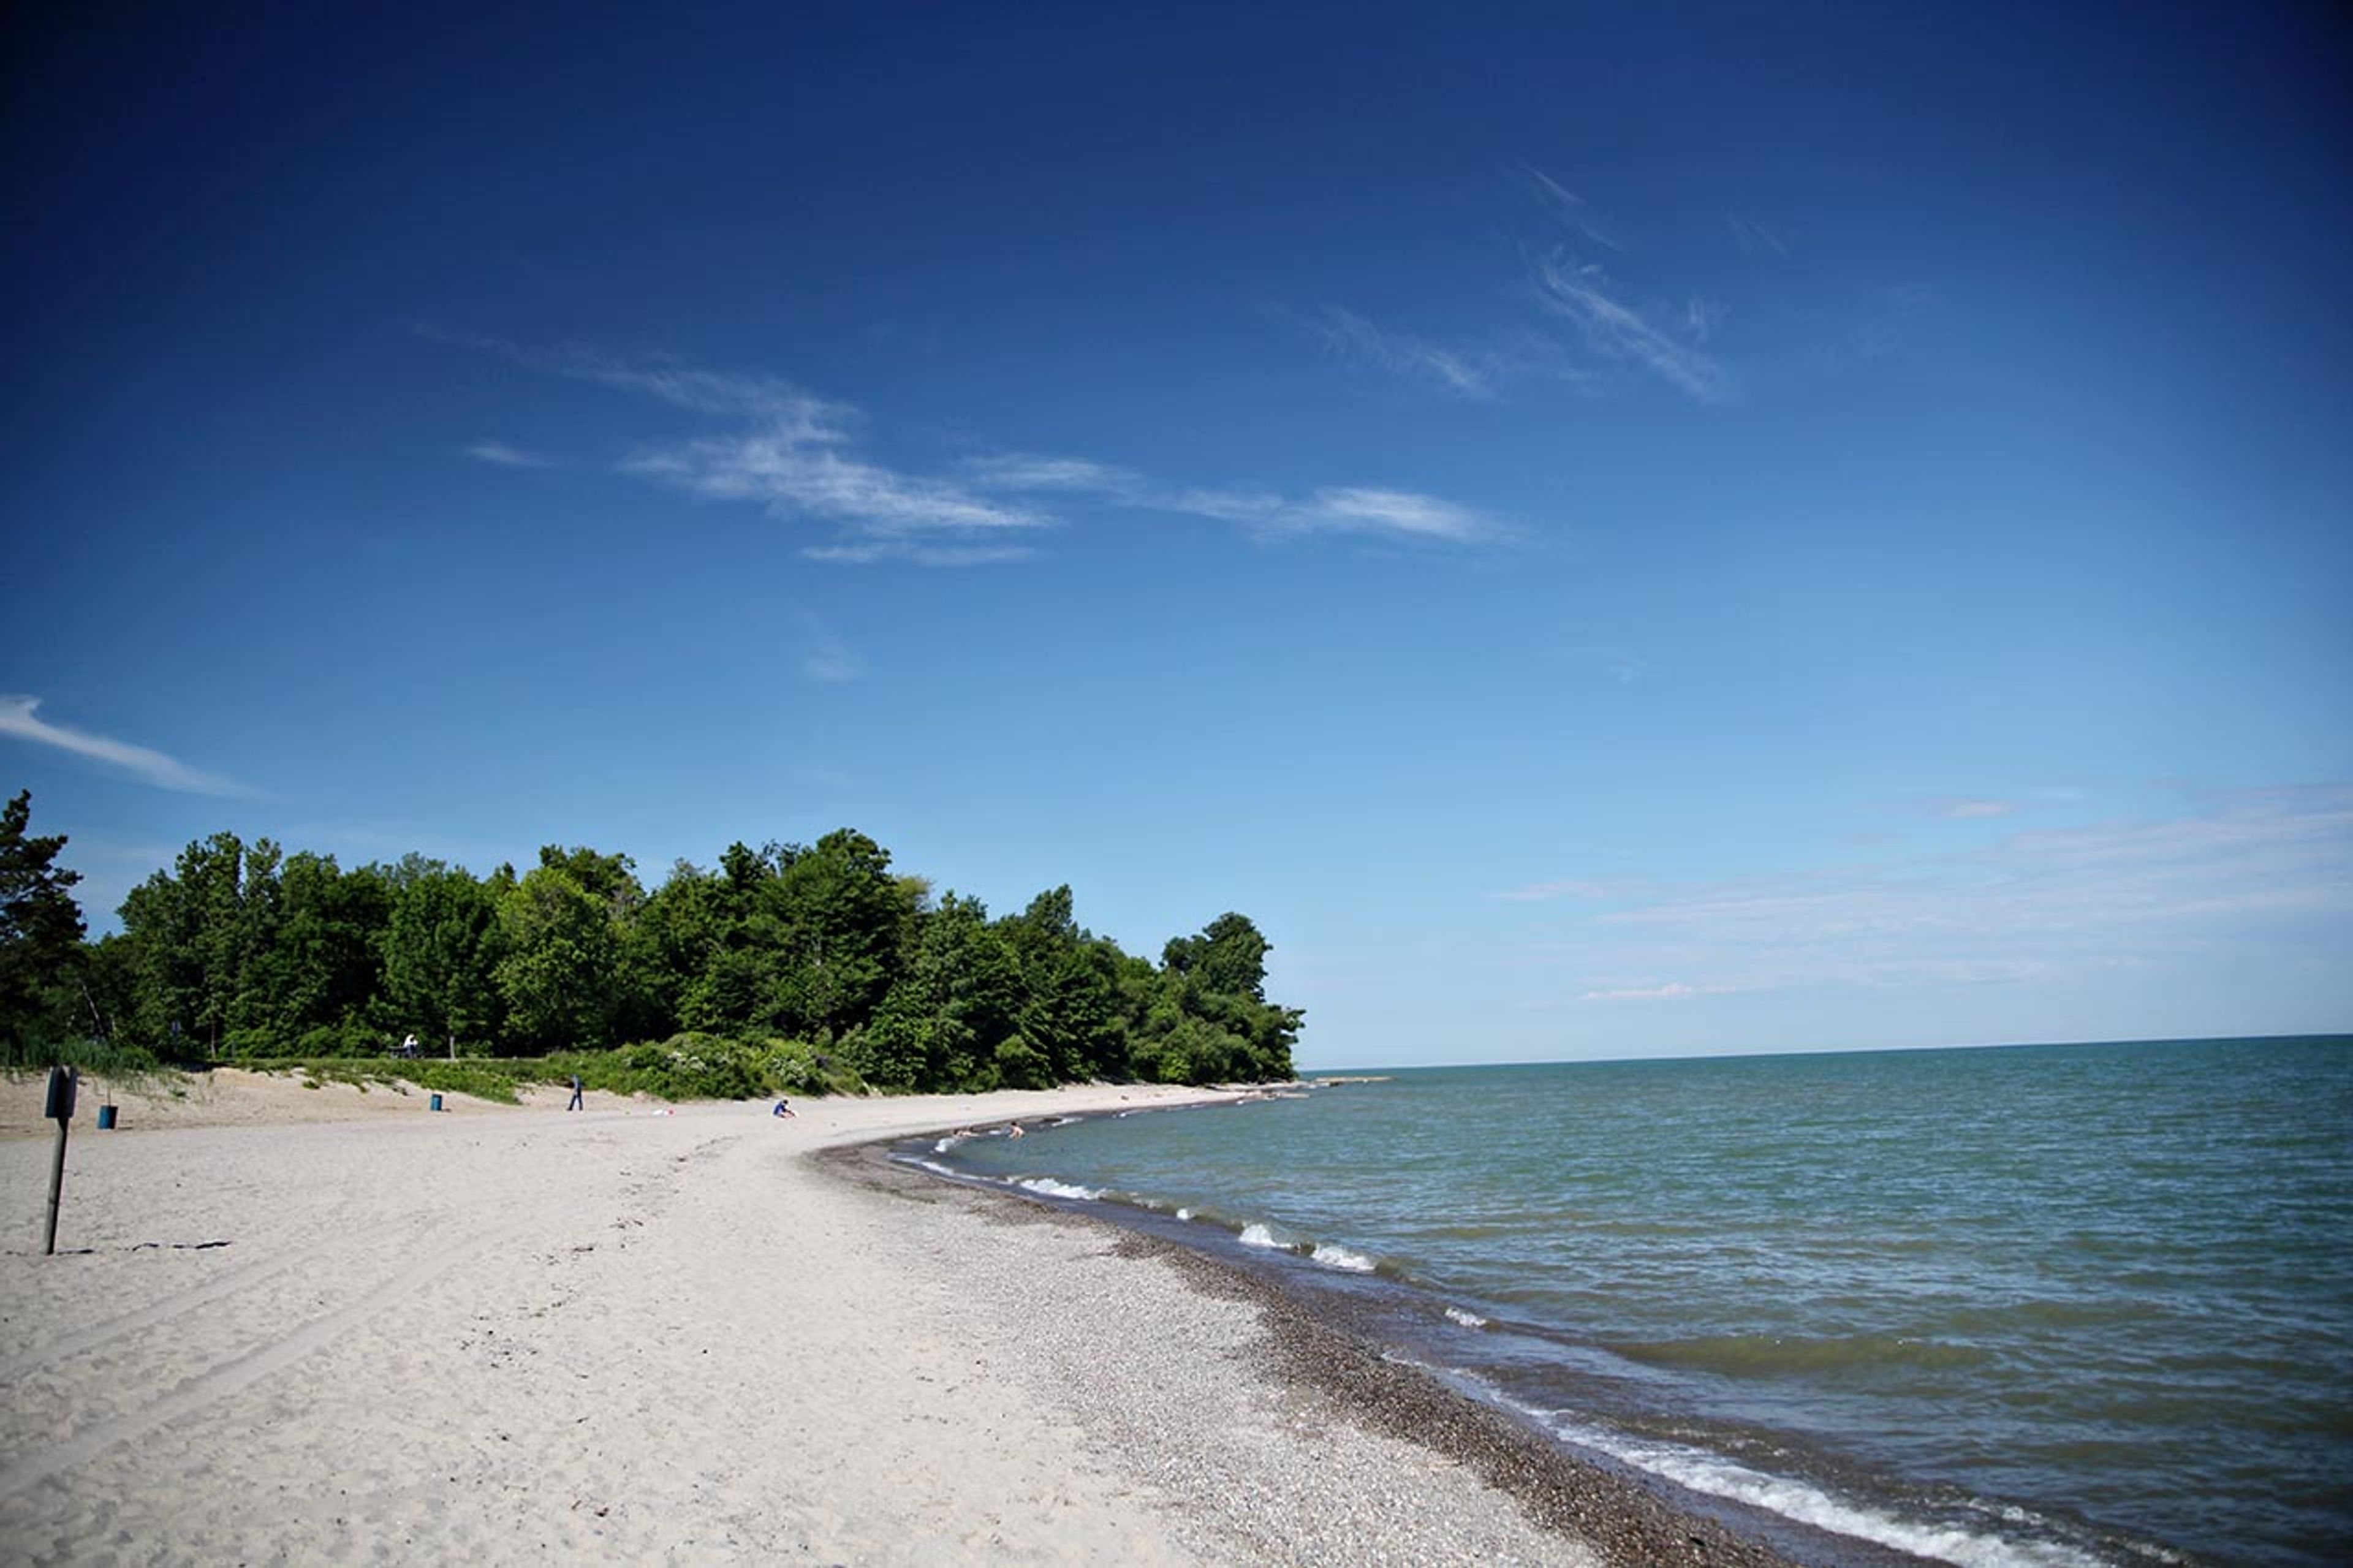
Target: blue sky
x=1714 y=529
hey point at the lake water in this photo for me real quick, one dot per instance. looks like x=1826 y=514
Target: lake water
x=2051 y=1305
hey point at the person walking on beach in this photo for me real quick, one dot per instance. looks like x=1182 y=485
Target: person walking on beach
x=575 y=1093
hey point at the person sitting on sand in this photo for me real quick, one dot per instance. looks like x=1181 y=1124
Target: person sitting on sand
x=783 y=1109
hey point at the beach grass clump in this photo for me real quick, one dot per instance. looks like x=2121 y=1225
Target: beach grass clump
x=694 y=1066
x=482 y=1079
x=684 y=1067
x=110 y=1061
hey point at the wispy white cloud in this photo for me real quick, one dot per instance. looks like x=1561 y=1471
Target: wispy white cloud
x=873 y=552
x=1356 y=509
x=1252 y=509
x=1471 y=373
x=794 y=458
x=1607 y=328
x=1672 y=991
x=2239 y=873
x=793 y=477
x=1030 y=471
x=767 y=400
x=1588 y=887
x=826 y=659
x=1753 y=238
x=1885 y=321
x=790 y=451
x=1571 y=209
x=1704 y=317
x=498 y=454
x=798 y=455
x=1336 y=509
x=19 y=716
x=1581 y=294
x=1974 y=810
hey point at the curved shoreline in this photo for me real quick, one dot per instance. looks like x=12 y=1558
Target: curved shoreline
x=698 y=1333
x=1629 y=1520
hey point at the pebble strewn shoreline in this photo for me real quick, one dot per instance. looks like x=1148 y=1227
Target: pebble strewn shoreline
x=1387 y=1432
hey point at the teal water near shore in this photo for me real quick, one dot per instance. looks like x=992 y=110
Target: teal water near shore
x=2045 y=1305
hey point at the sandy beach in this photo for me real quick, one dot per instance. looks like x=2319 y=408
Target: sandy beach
x=291 y=1325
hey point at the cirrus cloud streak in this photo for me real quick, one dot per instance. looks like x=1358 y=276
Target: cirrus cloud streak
x=19 y=716
x=2259 y=872
x=798 y=456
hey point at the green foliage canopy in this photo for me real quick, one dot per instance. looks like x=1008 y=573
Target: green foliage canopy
x=41 y=936
x=818 y=957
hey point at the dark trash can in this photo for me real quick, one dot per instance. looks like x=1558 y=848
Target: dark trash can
x=437 y=1103
x=105 y=1118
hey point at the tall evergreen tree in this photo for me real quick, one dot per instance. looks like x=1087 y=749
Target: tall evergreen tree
x=40 y=935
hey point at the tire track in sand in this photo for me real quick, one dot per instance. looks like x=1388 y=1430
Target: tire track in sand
x=242 y=1371
x=51 y=1352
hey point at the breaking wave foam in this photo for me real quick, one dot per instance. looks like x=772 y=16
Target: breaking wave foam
x=1047 y=1186
x=1715 y=1476
x=1336 y=1256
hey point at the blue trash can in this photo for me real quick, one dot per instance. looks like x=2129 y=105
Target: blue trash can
x=105 y=1118
x=437 y=1103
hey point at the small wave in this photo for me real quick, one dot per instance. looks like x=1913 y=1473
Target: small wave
x=1257 y=1235
x=1468 y=1319
x=1047 y=1186
x=1333 y=1256
x=1718 y=1477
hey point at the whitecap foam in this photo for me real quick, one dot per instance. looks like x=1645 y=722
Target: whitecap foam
x=1342 y=1258
x=1336 y=1256
x=1718 y=1477
x=1468 y=1319
x=1257 y=1235
x=1184 y=1214
x=1048 y=1187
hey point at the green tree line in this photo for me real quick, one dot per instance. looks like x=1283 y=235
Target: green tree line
x=243 y=952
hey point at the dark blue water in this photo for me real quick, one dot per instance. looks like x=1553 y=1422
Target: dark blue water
x=2065 y=1305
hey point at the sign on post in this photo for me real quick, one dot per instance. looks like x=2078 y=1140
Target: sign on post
x=64 y=1082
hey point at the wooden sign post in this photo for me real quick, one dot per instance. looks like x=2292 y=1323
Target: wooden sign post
x=63 y=1082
